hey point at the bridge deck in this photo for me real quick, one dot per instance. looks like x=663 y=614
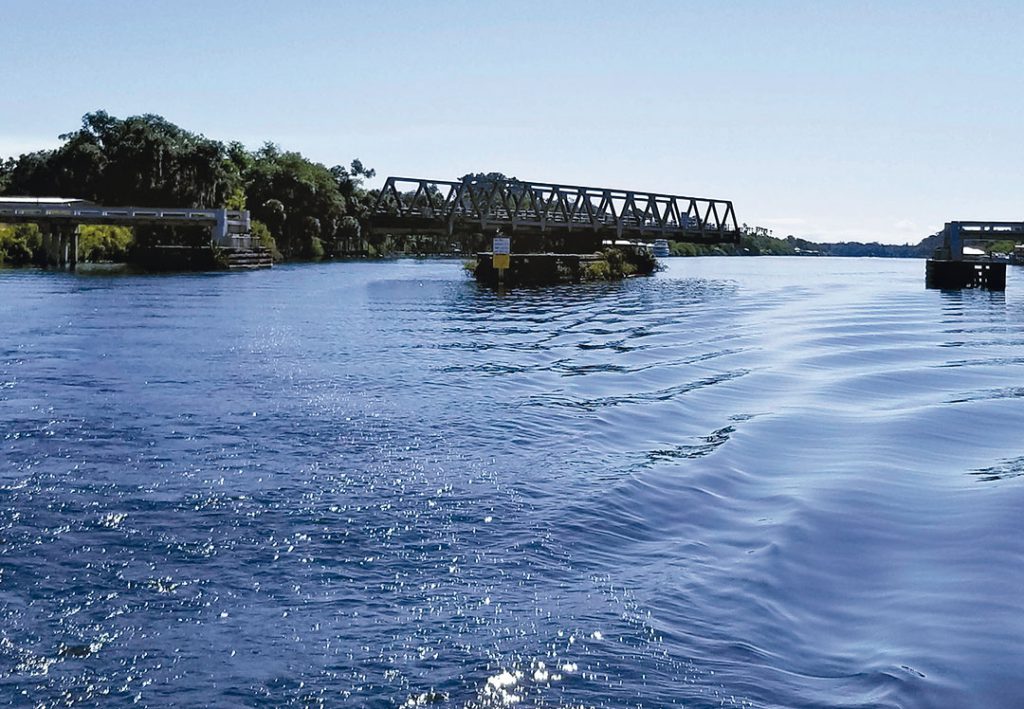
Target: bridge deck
x=222 y=222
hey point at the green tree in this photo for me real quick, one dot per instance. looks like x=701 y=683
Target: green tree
x=349 y=235
x=266 y=239
x=99 y=242
x=298 y=199
x=1001 y=247
x=148 y=161
x=33 y=174
x=358 y=201
x=6 y=173
x=20 y=244
x=141 y=160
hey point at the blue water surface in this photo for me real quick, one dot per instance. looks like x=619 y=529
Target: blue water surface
x=743 y=482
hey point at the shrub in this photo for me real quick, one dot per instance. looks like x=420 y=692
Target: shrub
x=20 y=244
x=597 y=271
x=315 y=249
x=104 y=243
x=260 y=230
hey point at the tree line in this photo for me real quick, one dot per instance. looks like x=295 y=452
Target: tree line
x=300 y=208
x=757 y=244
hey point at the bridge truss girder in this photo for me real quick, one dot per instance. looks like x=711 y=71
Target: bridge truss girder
x=422 y=206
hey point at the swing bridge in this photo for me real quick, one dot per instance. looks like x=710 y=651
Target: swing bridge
x=571 y=214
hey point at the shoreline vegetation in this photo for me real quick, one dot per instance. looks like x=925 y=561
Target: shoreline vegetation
x=301 y=210
x=608 y=264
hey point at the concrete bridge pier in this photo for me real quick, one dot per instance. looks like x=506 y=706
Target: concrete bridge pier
x=60 y=243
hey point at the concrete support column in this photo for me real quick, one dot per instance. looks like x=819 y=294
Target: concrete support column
x=956 y=241
x=60 y=246
x=73 y=248
x=51 y=244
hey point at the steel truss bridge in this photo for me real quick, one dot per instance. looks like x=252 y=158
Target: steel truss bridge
x=540 y=209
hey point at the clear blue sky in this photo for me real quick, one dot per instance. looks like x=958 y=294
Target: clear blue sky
x=829 y=120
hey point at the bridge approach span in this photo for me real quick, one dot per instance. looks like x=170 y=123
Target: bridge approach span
x=59 y=219
x=223 y=223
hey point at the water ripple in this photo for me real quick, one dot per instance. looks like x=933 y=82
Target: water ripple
x=742 y=482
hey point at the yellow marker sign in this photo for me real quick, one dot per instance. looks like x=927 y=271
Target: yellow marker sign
x=500 y=260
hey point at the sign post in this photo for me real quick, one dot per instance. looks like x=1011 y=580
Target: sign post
x=500 y=255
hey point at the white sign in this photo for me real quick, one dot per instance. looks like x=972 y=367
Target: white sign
x=501 y=245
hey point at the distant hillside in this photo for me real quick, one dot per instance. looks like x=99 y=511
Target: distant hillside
x=923 y=249
x=760 y=244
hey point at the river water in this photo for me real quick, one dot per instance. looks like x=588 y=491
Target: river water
x=762 y=482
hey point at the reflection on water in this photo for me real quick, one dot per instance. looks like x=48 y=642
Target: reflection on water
x=742 y=482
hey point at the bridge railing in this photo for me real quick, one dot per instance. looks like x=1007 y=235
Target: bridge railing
x=547 y=207
x=222 y=222
x=956 y=234
x=993 y=229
